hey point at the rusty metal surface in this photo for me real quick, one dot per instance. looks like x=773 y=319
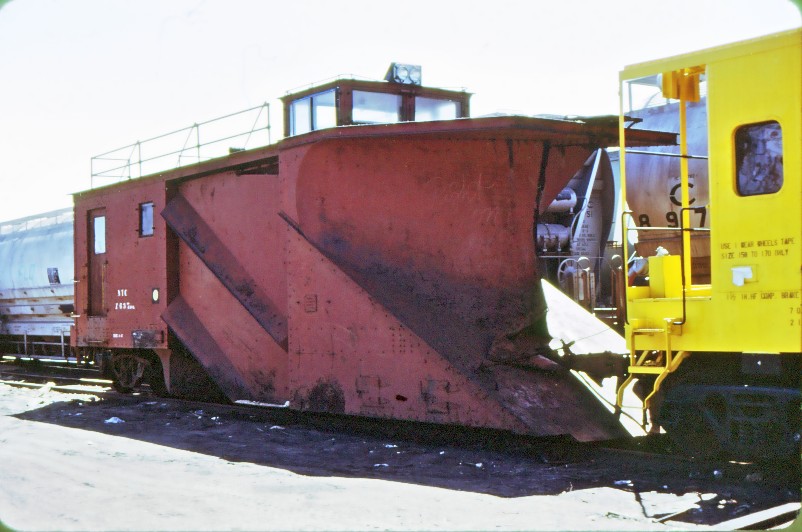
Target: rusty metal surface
x=439 y=233
x=345 y=342
x=196 y=233
x=194 y=335
x=229 y=208
x=561 y=133
x=405 y=256
x=255 y=362
x=132 y=267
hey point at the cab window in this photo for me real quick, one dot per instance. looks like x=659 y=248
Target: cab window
x=376 y=107
x=759 y=158
x=313 y=112
x=427 y=109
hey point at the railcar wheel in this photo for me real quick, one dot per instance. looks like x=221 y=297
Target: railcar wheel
x=128 y=371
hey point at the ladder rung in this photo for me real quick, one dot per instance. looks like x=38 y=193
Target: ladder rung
x=647 y=331
x=647 y=369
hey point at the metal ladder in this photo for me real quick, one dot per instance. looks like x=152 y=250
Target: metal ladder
x=640 y=365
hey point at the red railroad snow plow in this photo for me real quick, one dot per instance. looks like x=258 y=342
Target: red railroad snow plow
x=384 y=270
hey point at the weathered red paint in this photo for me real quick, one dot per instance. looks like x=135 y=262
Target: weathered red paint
x=133 y=266
x=364 y=270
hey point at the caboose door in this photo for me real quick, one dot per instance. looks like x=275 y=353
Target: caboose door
x=97 y=262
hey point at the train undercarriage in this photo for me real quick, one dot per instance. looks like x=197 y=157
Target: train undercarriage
x=715 y=405
x=734 y=404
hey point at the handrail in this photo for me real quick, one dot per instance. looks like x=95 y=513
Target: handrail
x=681 y=229
x=682 y=258
x=668 y=154
x=624 y=241
x=666 y=228
x=107 y=165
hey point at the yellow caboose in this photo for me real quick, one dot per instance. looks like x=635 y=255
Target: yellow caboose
x=713 y=298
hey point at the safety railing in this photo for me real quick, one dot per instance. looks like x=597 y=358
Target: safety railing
x=199 y=142
x=684 y=256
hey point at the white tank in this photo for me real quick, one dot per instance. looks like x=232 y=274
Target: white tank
x=653 y=191
x=36 y=274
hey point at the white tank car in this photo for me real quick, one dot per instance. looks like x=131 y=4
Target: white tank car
x=653 y=191
x=36 y=284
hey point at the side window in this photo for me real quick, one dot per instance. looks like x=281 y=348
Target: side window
x=432 y=109
x=376 y=107
x=301 y=116
x=759 y=158
x=99 y=234
x=314 y=112
x=52 y=276
x=146 y=219
x=324 y=110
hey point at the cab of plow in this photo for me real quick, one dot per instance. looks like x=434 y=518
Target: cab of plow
x=345 y=102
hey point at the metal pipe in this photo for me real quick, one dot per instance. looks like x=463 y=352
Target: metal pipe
x=197 y=141
x=685 y=215
x=664 y=154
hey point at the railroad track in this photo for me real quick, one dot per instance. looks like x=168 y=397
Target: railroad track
x=56 y=375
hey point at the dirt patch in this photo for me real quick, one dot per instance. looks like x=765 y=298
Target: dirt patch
x=209 y=467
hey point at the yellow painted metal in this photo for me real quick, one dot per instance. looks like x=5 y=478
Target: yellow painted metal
x=670 y=368
x=687 y=92
x=619 y=396
x=657 y=370
x=755 y=239
x=754 y=300
x=665 y=277
x=682 y=84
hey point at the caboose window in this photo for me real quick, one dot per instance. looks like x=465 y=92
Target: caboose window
x=100 y=234
x=427 y=109
x=376 y=107
x=759 y=158
x=146 y=219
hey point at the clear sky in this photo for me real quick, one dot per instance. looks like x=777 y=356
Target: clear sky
x=82 y=77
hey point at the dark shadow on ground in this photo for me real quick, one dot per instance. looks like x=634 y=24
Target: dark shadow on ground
x=478 y=461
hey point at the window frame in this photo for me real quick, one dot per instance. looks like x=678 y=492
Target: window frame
x=144 y=231
x=99 y=234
